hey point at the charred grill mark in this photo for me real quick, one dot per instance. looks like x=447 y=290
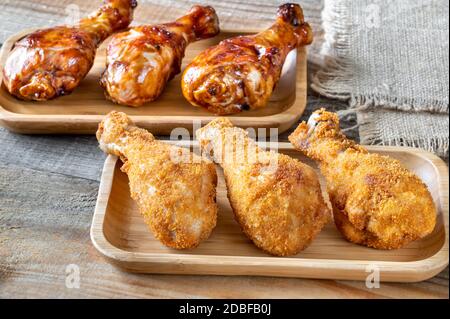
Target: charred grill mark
x=212 y=90
x=244 y=107
x=241 y=84
x=274 y=51
x=159 y=36
x=165 y=34
x=61 y=91
x=256 y=50
x=176 y=68
x=290 y=13
x=273 y=56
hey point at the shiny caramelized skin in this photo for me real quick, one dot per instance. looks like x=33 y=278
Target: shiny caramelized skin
x=277 y=200
x=51 y=62
x=143 y=59
x=376 y=201
x=240 y=73
x=175 y=190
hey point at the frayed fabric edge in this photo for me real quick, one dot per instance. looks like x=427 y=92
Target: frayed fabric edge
x=370 y=135
x=368 y=102
x=335 y=80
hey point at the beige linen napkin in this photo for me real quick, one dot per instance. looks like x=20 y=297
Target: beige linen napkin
x=389 y=60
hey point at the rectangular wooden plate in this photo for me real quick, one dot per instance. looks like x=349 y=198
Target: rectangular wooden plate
x=81 y=111
x=119 y=232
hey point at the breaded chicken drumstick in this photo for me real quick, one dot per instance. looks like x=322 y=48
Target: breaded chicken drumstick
x=176 y=198
x=276 y=199
x=377 y=202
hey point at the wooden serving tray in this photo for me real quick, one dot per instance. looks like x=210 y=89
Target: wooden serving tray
x=81 y=111
x=119 y=232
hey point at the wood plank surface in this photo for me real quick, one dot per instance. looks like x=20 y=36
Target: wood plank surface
x=49 y=184
x=44 y=230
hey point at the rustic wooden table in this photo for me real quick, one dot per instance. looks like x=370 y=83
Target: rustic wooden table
x=48 y=189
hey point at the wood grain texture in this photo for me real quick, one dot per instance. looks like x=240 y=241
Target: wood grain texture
x=119 y=233
x=43 y=230
x=48 y=188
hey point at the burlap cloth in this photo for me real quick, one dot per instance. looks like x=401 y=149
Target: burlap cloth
x=389 y=60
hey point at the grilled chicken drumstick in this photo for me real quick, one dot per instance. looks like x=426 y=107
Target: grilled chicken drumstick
x=143 y=59
x=276 y=199
x=241 y=73
x=377 y=202
x=51 y=62
x=176 y=197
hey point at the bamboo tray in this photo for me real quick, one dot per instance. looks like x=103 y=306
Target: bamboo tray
x=119 y=233
x=80 y=112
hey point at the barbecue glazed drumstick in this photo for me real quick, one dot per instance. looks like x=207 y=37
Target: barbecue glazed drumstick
x=176 y=198
x=377 y=202
x=241 y=73
x=51 y=62
x=276 y=199
x=142 y=60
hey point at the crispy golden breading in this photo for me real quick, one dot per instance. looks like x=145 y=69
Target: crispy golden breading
x=376 y=201
x=175 y=193
x=276 y=199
